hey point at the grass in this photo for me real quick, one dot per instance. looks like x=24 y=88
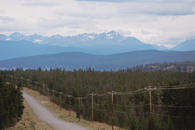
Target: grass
x=66 y=115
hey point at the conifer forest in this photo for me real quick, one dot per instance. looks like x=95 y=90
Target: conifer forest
x=133 y=100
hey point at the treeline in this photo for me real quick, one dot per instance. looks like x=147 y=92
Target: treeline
x=174 y=66
x=11 y=104
x=171 y=109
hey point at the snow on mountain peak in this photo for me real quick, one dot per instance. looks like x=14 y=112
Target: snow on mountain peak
x=38 y=41
x=16 y=36
x=112 y=35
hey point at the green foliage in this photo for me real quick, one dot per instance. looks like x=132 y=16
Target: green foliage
x=11 y=104
x=173 y=66
x=131 y=111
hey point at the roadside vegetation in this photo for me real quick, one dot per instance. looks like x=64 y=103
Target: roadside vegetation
x=29 y=121
x=67 y=115
x=11 y=104
x=171 y=105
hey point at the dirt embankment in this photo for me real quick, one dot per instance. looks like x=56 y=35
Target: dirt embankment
x=66 y=115
x=46 y=116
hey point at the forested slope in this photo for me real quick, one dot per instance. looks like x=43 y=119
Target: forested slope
x=11 y=104
x=172 y=96
x=76 y=60
x=169 y=66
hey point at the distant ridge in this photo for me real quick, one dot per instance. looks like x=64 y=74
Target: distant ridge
x=168 y=66
x=76 y=60
x=187 y=45
x=19 y=45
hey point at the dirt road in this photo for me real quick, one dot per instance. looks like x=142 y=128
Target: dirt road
x=46 y=116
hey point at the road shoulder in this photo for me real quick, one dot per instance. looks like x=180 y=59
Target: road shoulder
x=30 y=121
x=68 y=116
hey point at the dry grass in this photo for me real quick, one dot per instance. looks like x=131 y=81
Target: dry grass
x=30 y=121
x=66 y=115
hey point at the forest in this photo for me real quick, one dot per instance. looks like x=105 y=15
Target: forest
x=134 y=100
x=11 y=104
x=174 y=66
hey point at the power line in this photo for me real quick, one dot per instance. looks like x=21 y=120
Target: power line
x=171 y=106
x=122 y=112
x=117 y=108
x=101 y=110
x=119 y=93
x=131 y=106
x=175 y=88
x=172 y=116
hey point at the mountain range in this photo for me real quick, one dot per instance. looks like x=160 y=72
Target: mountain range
x=100 y=51
x=185 y=46
x=18 y=45
x=76 y=60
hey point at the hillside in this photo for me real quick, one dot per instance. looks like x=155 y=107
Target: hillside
x=187 y=45
x=14 y=49
x=177 y=66
x=19 y=45
x=172 y=96
x=76 y=60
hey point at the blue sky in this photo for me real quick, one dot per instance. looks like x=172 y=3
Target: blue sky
x=159 y=22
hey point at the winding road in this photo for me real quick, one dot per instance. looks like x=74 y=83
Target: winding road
x=46 y=116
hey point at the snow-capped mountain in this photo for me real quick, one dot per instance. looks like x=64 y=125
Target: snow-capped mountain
x=3 y=37
x=87 y=38
x=187 y=45
x=17 y=44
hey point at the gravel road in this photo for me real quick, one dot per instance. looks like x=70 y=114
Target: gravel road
x=46 y=116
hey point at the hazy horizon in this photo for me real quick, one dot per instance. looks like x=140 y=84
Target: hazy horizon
x=161 y=22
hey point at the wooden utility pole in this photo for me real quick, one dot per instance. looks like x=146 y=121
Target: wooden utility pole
x=92 y=106
x=70 y=106
x=52 y=92
x=69 y=99
x=45 y=90
x=79 y=108
x=60 y=94
x=150 y=96
x=112 y=110
x=48 y=93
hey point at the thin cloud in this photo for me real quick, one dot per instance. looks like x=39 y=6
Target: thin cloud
x=157 y=22
x=41 y=4
x=158 y=7
x=2 y=11
x=107 y=0
x=159 y=1
x=6 y=19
